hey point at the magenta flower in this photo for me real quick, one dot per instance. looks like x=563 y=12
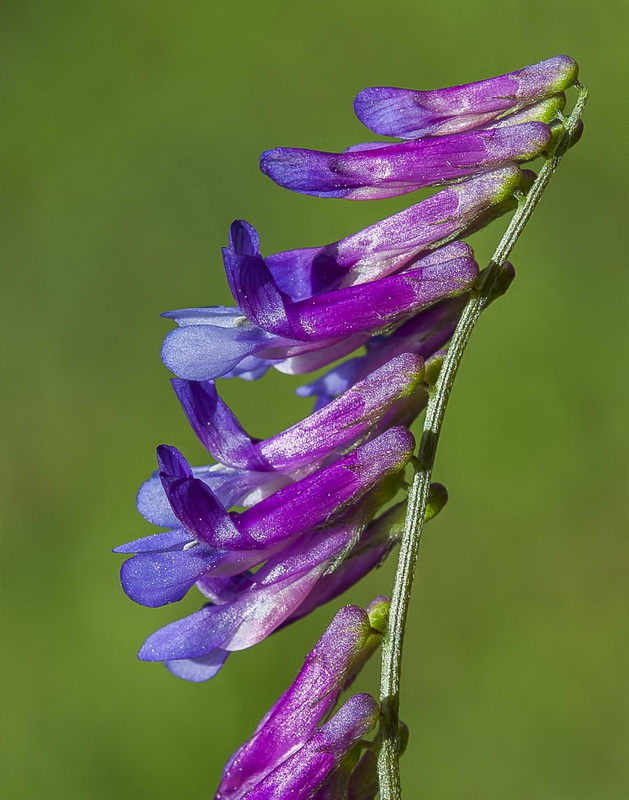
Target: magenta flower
x=409 y=114
x=210 y=541
x=377 y=171
x=289 y=755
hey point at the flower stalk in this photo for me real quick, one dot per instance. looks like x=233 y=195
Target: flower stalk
x=480 y=297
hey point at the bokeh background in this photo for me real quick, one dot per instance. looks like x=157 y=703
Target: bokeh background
x=132 y=137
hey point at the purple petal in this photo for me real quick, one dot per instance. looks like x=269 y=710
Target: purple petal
x=204 y=351
x=382 y=303
x=216 y=426
x=157 y=542
x=400 y=168
x=412 y=114
x=198 y=670
x=318 y=498
x=155 y=579
x=394 y=242
x=193 y=502
x=187 y=638
x=253 y=287
x=262 y=604
x=172 y=463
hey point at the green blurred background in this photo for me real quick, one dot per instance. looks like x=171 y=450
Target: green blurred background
x=132 y=138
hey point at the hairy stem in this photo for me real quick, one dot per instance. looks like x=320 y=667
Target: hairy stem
x=388 y=760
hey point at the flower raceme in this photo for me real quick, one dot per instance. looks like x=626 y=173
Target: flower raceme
x=279 y=526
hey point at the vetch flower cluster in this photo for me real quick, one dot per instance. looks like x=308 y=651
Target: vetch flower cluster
x=302 y=748
x=274 y=528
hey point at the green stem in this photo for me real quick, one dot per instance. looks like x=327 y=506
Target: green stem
x=388 y=760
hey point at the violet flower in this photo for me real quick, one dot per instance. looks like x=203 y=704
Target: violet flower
x=245 y=342
x=377 y=171
x=289 y=755
x=256 y=604
x=364 y=410
x=248 y=607
x=363 y=308
x=252 y=469
x=396 y=241
x=409 y=114
x=212 y=542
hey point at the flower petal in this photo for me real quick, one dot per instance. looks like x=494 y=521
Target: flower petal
x=205 y=351
x=318 y=498
x=216 y=426
x=380 y=304
x=200 y=669
x=193 y=502
x=302 y=773
x=155 y=579
x=253 y=287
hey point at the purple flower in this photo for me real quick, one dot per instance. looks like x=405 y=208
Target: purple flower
x=363 y=411
x=289 y=755
x=315 y=569
x=362 y=308
x=372 y=172
x=270 y=325
x=253 y=469
x=210 y=541
x=395 y=242
x=410 y=114
x=303 y=772
x=256 y=605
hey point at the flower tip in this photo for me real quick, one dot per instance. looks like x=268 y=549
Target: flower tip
x=244 y=239
x=566 y=70
x=170 y=461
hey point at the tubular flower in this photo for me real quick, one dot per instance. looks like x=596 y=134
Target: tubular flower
x=377 y=171
x=268 y=325
x=409 y=114
x=210 y=541
x=298 y=745
x=252 y=469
